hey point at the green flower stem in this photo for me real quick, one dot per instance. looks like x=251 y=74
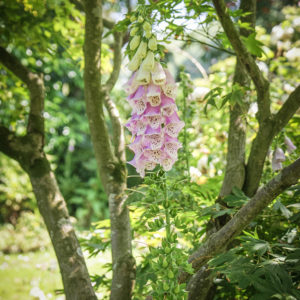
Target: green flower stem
x=167 y=211
x=186 y=156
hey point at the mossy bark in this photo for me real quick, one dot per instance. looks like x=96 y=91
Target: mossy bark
x=110 y=155
x=28 y=151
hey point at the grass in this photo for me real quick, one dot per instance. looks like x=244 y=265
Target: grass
x=20 y=273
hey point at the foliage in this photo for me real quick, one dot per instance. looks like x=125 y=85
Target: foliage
x=266 y=263
x=170 y=213
x=15 y=191
x=29 y=234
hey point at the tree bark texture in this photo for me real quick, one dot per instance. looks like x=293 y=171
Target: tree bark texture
x=28 y=151
x=111 y=163
x=200 y=286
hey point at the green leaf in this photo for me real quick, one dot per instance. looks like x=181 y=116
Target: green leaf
x=253 y=45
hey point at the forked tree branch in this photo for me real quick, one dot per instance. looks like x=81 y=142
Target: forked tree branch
x=35 y=86
x=217 y=242
x=288 y=109
x=261 y=84
x=118 y=130
x=117 y=61
x=10 y=144
x=263 y=140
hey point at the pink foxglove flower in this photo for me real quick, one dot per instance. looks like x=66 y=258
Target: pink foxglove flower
x=278 y=158
x=154 y=123
x=158 y=75
x=289 y=145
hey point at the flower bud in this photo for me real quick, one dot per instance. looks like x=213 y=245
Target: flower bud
x=152 y=44
x=148 y=63
x=140 y=19
x=133 y=31
x=147 y=26
x=132 y=18
x=134 y=63
x=148 y=34
x=170 y=274
x=135 y=42
x=142 y=50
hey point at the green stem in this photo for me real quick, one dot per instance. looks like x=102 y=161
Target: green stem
x=167 y=212
x=186 y=156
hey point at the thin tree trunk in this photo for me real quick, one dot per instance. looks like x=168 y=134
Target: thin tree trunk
x=201 y=285
x=111 y=161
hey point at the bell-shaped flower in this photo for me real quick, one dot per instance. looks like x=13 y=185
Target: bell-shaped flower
x=153 y=155
x=174 y=118
x=171 y=146
x=148 y=63
x=151 y=110
x=139 y=165
x=139 y=94
x=152 y=44
x=139 y=106
x=137 y=146
x=290 y=147
x=154 y=121
x=168 y=106
x=170 y=87
x=158 y=74
x=131 y=85
x=153 y=94
x=143 y=76
x=152 y=131
x=278 y=158
x=134 y=43
x=173 y=129
x=154 y=141
x=167 y=162
x=141 y=127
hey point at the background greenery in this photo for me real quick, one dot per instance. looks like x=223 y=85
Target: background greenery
x=265 y=262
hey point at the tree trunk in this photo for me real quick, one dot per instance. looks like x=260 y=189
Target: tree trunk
x=111 y=160
x=75 y=277
x=201 y=285
x=28 y=152
x=122 y=259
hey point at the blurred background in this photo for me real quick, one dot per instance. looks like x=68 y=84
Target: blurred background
x=28 y=268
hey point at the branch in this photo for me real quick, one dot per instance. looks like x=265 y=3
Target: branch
x=108 y=24
x=10 y=144
x=261 y=84
x=14 y=65
x=263 y=140
x=235 y=160
x=94 y=96
x=35 y=85
x=118 y=131
x=217 y=242
x=288 y=109
x=117 y=60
